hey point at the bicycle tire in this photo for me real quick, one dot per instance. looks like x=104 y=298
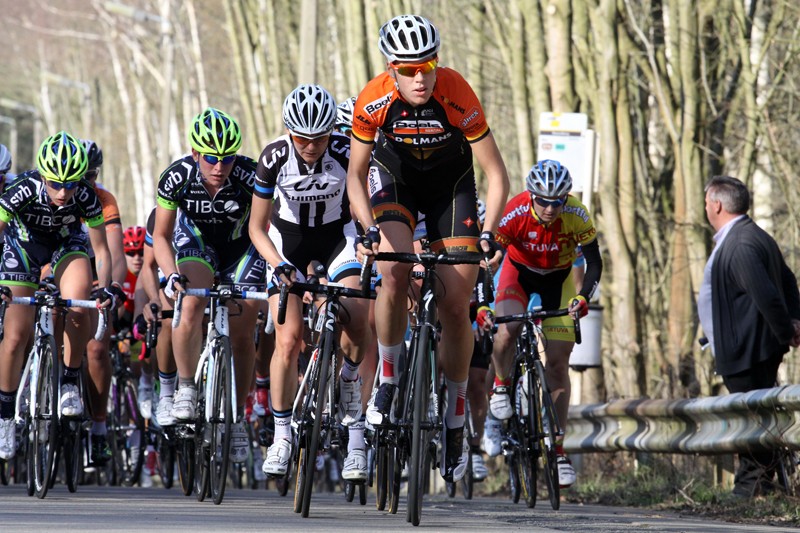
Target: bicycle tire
x=420 y=395
x=300 y=479
x=282 y=483
x=71 y=447
x=381 y=476
x=546 y=429
x=186 y=454
x=513 y=477
x=532 y=445
x=221 y=420
x=131 y=459
x=468 y=482
x=362 y=494
x=165 y=462
x=45 y=418
x=321 y=393
x=201 y=447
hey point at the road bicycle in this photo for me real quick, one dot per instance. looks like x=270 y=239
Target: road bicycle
x=39 y=392
x=216 y=389
x=531 y=433
x=314 y=408
x=417 y=413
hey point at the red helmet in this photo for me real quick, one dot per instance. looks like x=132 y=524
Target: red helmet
x=133 y=238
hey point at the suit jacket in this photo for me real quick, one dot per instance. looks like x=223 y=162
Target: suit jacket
x=754 y=296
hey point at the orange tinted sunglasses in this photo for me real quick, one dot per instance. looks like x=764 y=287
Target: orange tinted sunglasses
x=410 y=69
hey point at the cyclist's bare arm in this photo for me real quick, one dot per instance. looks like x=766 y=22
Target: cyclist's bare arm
x=162 y=240
x=357 y=170
x=102 y=255
x=261 y=212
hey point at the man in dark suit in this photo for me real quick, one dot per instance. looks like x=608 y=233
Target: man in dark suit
x=749 y=308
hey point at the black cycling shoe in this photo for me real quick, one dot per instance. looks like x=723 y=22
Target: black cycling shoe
x=100 y=451
x=454 y=464
x=378 y=411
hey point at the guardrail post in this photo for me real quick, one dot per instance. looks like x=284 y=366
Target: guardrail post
x=723 y=471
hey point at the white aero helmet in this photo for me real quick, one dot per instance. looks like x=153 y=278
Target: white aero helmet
x=549 y=179
x=408 y=38
x=309 y=111
x=5 y=159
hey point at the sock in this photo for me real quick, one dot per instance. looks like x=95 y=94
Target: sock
x=500 y=382
x=388 y=357
x=262 y=382
x=456 y=396
x=283 y=424
x=356 y=436
x=167 y=384
x=146 y=378
x=186 y=382
x=8 y=402
x=70 y=375
x=99 y=428
x=349 y=370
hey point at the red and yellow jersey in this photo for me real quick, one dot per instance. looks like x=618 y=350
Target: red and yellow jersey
x=109 y=203
x=544 y=248
x=424 y=136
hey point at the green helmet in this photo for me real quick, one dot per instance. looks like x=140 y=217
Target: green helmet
x=62 y=157
x=215 y=132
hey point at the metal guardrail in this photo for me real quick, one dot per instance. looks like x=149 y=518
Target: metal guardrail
x=756 y=420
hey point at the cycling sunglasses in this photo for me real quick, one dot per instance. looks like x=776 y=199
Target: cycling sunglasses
x=58 y=185
x=213 y=159
x=133 y=253
x=316 y=141
x=555 y=203
x=410 y=69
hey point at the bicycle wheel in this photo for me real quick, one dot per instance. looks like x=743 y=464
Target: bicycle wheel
x=542 y=416
x=165 y=461
x=126 y=434
x=186 y=454
x=789 y=471
x=45 y=417
x=514 y=485
x=382 y=476
x=221 y=419
x=468 y=481
x=420 y=433
x=71 y=448
x=300 y=480
x=321 y=399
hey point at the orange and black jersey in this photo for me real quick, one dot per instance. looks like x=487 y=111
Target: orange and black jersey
x=430 y=135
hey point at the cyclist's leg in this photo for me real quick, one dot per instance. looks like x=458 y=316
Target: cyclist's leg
x=167 y=369
x=263 y=357
x=478 y=404
x=73 y=276
x=511 y=298
x=283 y=381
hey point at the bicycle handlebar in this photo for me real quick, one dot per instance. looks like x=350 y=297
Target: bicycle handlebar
x=541 y=314
x=225 y=293
x=51 y=301
x=329 y=289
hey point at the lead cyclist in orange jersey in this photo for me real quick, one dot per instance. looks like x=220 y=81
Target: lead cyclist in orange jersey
x=429 y=123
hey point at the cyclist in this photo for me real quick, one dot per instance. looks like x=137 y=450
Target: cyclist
x=344 y=116
x=41 y=214
x=213 y=188
x=150 y=281
x=133 y=241
x=300 y=195
x=429 y=123
x=541 y=230
x=97 y=352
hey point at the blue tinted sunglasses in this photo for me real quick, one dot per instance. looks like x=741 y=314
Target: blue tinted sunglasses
x=58 y=185
x=212 y=159
x=544 y=202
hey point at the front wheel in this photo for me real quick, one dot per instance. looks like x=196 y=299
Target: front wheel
x=420 y=433
x=45 y=418
x=221 y=420
x=542 y=416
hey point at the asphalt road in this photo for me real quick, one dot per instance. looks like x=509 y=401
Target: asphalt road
x=150 y=510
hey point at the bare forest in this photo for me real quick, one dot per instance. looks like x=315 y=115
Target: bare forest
x=677 y=91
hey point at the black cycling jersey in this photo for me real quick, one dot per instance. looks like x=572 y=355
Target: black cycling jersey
x=26 y=207
x=305 y=195
x=220 y=219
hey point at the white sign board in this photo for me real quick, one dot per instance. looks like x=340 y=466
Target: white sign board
x=565 y=137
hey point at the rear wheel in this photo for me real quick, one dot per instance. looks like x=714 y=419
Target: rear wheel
x=45 y=418
x=382 y=476
x=468 y=481
x=166 y=462
x=126 y=434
